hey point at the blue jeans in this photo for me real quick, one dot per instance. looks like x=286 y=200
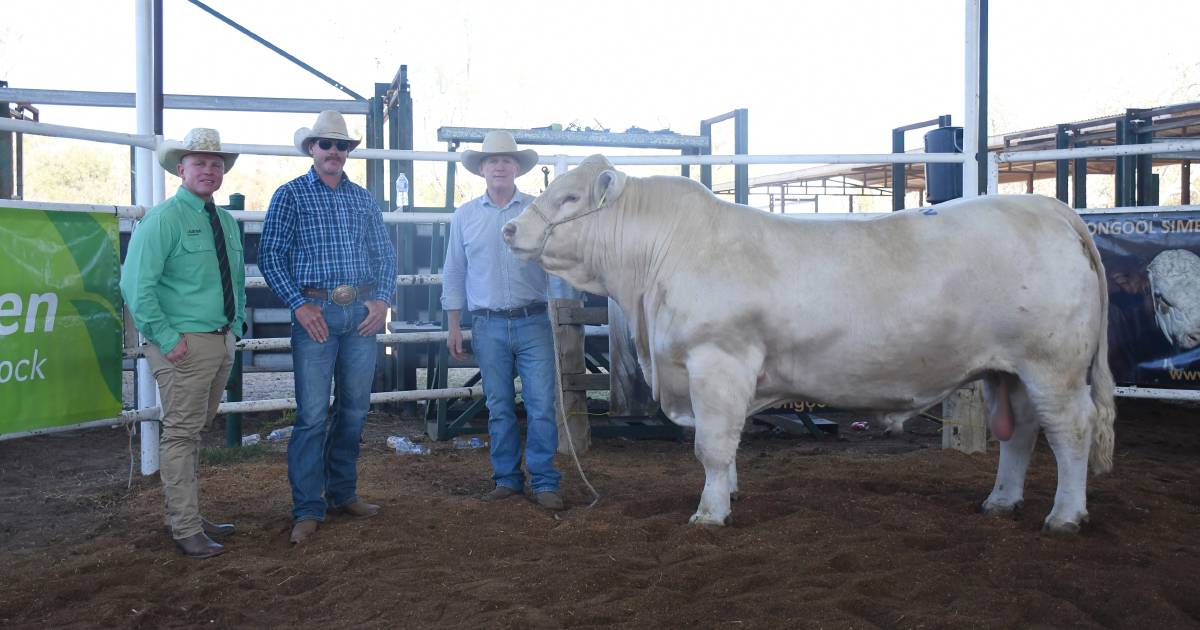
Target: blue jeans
x=323 y=451
x=506 y=348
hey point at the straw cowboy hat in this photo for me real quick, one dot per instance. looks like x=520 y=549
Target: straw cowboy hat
x=330 y=124
x=198 y=140
x=499 y=143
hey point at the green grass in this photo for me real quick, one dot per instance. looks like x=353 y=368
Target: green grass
x=286 y=418
x=225 y=455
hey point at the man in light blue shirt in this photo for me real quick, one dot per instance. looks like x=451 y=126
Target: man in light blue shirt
x=511 y=333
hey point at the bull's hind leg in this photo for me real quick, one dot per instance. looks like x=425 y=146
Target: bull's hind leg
x=1065 y=408
x=1008 y=494
x=720 y=387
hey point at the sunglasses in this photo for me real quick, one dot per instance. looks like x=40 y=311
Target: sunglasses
x=326 y=143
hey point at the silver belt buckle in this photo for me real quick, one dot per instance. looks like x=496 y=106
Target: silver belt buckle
x=343 y=294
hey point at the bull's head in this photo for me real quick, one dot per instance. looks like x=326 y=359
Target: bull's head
x=1175 y=284
x=555 y=229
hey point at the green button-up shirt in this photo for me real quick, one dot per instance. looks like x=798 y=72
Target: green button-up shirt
x=171 y=280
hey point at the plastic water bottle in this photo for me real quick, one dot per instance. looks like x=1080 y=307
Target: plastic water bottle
x=281 y=433
x=250 y=440
x=473 y=442
x=405 y=446
x=401 y=191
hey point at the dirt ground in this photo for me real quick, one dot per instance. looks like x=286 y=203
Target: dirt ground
x=862 y=531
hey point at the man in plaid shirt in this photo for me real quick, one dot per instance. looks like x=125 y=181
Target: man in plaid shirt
x=326 y=254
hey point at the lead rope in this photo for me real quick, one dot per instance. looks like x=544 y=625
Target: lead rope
x=560 y=410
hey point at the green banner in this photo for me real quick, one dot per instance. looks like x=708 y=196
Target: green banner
x=60 y=319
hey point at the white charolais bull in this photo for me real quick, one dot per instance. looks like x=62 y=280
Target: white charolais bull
x=734 y=310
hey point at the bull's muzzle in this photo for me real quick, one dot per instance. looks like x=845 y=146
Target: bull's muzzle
x=509 y=231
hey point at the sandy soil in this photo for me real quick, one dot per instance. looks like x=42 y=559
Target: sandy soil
x=858 y=532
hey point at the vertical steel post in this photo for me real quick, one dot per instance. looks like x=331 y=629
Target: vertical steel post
x=1185 y=183
x=144 y=196
x=1126 y=166
x=899 y=179
x=233 y=421
x=1061 y=141
x=7 y=173
x=1147 y=188
x=400 y=137
x=741 y=146
x=379 y=184
x=374 y=137
x=983 y=94
x=706 y=169
x=19 y=166
x=971 y=123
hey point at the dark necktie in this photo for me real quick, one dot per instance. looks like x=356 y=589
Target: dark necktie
x=222 y=259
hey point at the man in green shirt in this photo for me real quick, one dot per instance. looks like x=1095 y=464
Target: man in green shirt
x=184 y=281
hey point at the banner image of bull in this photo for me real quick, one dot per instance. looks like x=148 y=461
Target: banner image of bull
x=734 y=310
x=1154 y=296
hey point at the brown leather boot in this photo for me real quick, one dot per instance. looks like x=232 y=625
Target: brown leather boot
x=302 y=530
x=499 y=493
x=359 y=508
x=549 y=500
x=198 y=546
x=216 y=530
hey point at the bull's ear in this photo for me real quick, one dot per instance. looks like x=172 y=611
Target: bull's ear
x=608 y=187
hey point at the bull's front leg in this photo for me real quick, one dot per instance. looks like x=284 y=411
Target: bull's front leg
x=720 y=387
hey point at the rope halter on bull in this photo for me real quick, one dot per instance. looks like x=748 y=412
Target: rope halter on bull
x=550 y=225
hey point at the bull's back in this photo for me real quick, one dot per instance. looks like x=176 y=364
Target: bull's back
x=984 y=249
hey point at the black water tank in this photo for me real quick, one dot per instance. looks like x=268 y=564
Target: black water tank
x=943 y=182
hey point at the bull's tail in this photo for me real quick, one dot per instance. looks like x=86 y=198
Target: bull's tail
x=1101 y=458
x=1103 y=387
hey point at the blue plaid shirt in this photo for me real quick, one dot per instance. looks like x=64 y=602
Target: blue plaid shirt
x=317 y=237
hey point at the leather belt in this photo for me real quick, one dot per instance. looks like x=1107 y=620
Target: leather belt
x=341 y=295
x=220 y=331
x=511 y=313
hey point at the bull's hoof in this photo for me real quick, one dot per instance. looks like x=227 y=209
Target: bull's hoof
x=708 y=519
x=1002 y=510
x=1056 y=526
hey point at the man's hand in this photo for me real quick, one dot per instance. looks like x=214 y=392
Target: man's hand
x=455 y=343
x=454 y=339
x=373 y=322
x=178 y=352
x=310 y=318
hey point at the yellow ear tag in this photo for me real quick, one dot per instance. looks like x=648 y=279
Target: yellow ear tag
x=602 y=198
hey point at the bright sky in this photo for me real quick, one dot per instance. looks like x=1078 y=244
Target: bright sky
x=816 y=76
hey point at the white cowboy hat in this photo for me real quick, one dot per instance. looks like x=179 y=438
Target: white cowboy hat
x=330 y=124
x=499 y=142
x=198 y=140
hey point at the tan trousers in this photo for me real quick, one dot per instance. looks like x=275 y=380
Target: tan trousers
x=190 y=390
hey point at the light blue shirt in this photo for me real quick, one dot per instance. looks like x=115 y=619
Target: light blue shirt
x=481 y=271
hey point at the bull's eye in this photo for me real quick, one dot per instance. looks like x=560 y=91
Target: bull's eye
x=1163 y=304
x=570 y=199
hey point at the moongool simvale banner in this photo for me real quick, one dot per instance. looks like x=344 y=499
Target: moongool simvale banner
x=60 y=319
x=1153 y=269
